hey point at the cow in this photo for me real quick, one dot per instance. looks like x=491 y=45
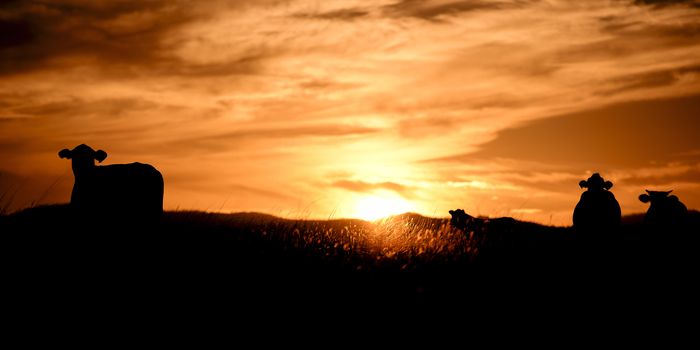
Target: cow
x=465 y=222
x=597 y=210
x=461 y=220
x=121 y=192
x=665 y=210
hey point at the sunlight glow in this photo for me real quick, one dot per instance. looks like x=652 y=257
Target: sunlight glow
x=373 y=207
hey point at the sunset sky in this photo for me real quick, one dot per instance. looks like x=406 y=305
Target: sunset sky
x=345 y=108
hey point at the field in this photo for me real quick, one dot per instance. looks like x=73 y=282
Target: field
x=250 y=260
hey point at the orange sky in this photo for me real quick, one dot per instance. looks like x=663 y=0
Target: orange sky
x=341 y=108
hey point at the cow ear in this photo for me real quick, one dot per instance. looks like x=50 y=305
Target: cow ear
x=644 y=198
x=100 y=155
x=583 y=184
x=65 y=153
x=452 y=212
x=607 y=185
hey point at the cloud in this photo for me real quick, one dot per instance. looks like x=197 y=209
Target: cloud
x=78 y=107
x=365 y=187
x=691 y=175
x=341 y=14
x=661 y=3
x=259 y=192
x=222 y=142
x=630 y=41
x=650 y=79
x=433 y=10
x=626 y=135
x=329 y=130
x=424 y=127
x=117 y=37
x=54 y=33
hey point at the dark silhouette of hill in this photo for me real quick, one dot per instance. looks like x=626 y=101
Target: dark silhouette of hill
x=253 y=260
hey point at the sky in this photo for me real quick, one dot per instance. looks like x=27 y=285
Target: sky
x=356 y=108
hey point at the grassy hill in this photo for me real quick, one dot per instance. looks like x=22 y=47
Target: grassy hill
x=258 y=259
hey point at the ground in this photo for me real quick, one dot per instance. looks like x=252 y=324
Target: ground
x=257 y=261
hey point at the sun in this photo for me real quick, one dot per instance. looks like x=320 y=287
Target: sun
x=373 y=207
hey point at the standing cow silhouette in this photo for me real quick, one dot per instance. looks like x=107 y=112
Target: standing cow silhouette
x=597 y=210
x=121 y=192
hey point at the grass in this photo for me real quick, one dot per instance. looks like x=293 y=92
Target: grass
x=6 y=201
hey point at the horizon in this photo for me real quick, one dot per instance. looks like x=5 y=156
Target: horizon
x=357 y=109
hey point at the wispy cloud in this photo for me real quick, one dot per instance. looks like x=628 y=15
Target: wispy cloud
x=56 y=33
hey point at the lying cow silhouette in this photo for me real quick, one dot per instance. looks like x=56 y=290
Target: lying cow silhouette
x=665 y=210
x=123 y=192
x=597 y=210
x=465 y=222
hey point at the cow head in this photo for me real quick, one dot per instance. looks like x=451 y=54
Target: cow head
x=596 y=183
x=83 y=158
x=656 y=196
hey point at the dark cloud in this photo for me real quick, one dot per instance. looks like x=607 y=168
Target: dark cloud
x=364 y=187
x=118 y=37
x=660 y=3
x=628 y=135
x=653 y=79
x=433 y=11
x=342 y=14
x=109 y=32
